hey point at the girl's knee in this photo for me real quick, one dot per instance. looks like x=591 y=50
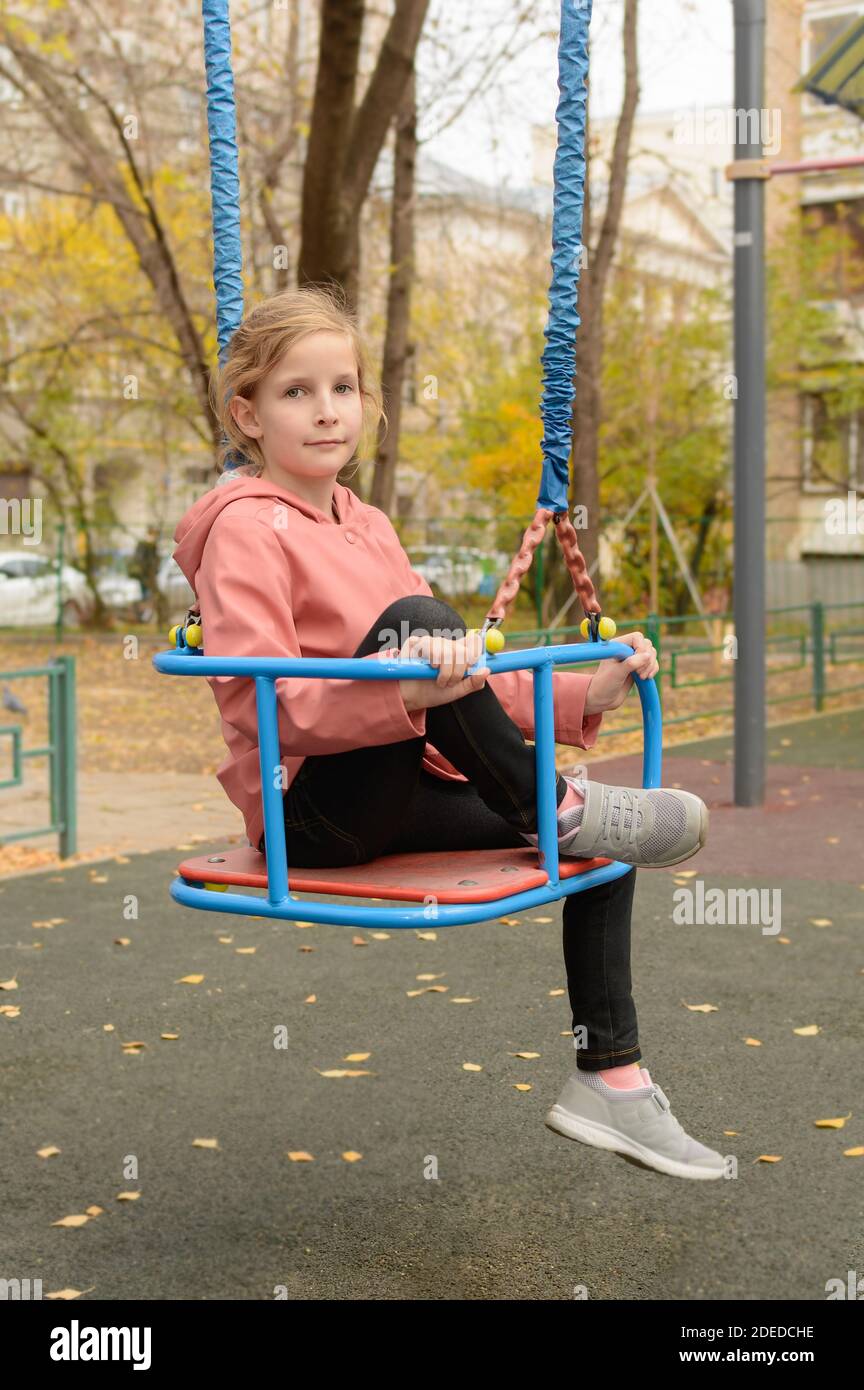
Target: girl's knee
x=419 y=613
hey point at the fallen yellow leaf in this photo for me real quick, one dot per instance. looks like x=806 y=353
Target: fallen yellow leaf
x=833 y=1124
x=701 y=1008
x=340 y=1072
x=351 y=1157
x=357 y=1057
x=169 y=1037
x=245 y=950
x=426 y=936
x=427 y=989
x=311 y=999
x=68 y=1293
x=471 y=1066
x=8 y=984
x=465 y=999
x=529 y=1056
x=521 y=1086
x=300 y=1156
x=190 y=980
x=72 y=1221
x=810 y=1031
x=821 y=921
x=857 y=1152
x=752 y=1042
x=205 y=1143
x=128 y=1196
x=769 y=1158
x=49 y=1151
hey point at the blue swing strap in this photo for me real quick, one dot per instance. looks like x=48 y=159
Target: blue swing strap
x=224 y=183
x=559 y=355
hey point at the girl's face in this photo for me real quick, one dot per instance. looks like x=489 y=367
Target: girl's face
x=308 y=412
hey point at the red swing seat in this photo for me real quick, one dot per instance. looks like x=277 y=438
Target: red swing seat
x=462 y=876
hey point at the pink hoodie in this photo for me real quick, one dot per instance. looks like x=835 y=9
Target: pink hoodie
x=275 y=576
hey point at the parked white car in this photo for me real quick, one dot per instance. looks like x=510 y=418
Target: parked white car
x=28 y=591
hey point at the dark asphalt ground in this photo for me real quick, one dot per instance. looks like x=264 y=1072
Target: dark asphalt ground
x=515 y=1212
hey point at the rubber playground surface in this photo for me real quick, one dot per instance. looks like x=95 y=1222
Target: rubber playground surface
x=411 y=1177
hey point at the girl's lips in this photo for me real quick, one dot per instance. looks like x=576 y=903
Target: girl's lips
x=325 y=443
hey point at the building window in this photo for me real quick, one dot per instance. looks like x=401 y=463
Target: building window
x=839 y=227
x=833 y=452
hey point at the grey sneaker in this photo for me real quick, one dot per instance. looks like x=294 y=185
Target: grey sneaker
x=655 y=827
x=638 y=1124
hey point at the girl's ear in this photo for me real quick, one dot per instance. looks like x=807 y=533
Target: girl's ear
x=243 y=412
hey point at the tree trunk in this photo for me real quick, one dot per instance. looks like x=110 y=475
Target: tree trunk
x=398 y=299
x=344 y=143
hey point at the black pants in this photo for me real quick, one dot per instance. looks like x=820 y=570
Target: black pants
x=349 y=808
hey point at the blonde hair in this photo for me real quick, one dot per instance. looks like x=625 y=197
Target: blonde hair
x=260 y=341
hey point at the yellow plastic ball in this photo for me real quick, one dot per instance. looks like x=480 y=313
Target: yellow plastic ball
x=585 y=628
x=607 y=628
x=172 y=636
x=217 y=887
x=495 y=640
x=193 y=635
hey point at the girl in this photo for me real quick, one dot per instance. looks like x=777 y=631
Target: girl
x=286 y=561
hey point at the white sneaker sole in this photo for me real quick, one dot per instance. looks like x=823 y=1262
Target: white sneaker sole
x=602 y=1137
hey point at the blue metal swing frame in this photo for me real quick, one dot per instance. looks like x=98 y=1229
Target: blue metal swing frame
x=280 y=903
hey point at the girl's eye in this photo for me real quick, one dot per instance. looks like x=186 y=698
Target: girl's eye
x=345 y=385
x=293 y=388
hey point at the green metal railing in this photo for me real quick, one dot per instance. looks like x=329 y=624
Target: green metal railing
x=60 y=751
x=816 y=646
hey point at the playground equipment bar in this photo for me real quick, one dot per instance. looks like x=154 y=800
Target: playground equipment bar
x=749 y=428
x=762 y=169
x=808 y=166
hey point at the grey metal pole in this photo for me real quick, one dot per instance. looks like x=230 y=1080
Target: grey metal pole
x=749 y=16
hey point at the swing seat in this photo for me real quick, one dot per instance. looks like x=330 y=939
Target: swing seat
x=464 y=876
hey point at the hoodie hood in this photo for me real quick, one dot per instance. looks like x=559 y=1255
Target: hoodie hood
x=193 y=528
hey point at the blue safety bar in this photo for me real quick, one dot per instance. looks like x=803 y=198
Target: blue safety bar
x=265 y=671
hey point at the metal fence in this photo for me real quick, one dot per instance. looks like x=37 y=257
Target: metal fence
x=60 y=751
x=814 y=654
